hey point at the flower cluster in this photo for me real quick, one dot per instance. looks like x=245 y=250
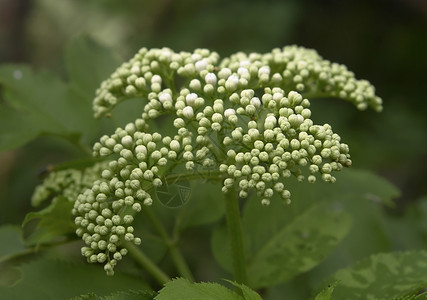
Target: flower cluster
x=67 y=183
x=246 y=118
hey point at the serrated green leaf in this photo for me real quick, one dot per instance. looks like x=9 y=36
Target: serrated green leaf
x=422 y=296
x=326 y=293
x=383 y=276
x=248 y=293
x=298 y=246
x=182 y=289
x=55 y=220
x=48 y=279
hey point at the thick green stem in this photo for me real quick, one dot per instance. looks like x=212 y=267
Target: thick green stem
x=147 y=264
x=235 y=236
x=177 y=258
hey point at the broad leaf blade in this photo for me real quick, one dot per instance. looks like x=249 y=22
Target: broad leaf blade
x=298 y=246
x=383 y=276
x=182 y=289
x=48 y=279
x=39 y=102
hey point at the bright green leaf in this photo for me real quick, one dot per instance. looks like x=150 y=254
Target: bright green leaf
x=182 y=289
x=383 y=276
x=326 y=293
x=48 y=279
x=55 y=220
x=248 y=293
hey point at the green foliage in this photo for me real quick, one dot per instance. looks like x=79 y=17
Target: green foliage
x=196 y=212
x=54 y=221
x=325 y=228
x=13 y=236
x=284 y=241
x=182 y=289
x=326 y=293
x=62 y=280
x=383 y=276
x=35 y=103
x=83 y=54
x=297 y=246
x=127 y=295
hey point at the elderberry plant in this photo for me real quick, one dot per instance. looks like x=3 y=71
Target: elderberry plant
x=245 y=119
x=209 y=138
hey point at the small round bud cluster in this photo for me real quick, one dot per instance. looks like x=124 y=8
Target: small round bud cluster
x=305 y=71
x=67 y=183
x=247 y=119
x=146 y=76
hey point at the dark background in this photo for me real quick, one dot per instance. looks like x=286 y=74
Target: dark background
x=384 y=42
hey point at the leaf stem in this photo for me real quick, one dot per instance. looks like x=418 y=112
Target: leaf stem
x=172 y=244
x=147 y=264
x=235 y=236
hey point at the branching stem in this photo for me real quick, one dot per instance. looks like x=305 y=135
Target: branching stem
x=147 y=263
x=172 y=244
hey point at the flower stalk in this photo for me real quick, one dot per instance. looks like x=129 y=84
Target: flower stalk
x=235 y=236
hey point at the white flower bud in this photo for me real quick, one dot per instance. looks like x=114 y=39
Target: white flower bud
x=217 y=118
x=229 y=112
x=190 y=99
x=127 y=141
x=165 y=97
x=156 y=79
x=232 y=83
x=188 y=112
x=175 y=146
x=224 y=73
x=210 y=78
x=179 y=123
x=195 y=84
x=201 y=65
x=295 y=120
x=264 y=70
x=255 y=102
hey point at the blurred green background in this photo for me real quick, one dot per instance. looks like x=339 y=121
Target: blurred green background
x=384 y=42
